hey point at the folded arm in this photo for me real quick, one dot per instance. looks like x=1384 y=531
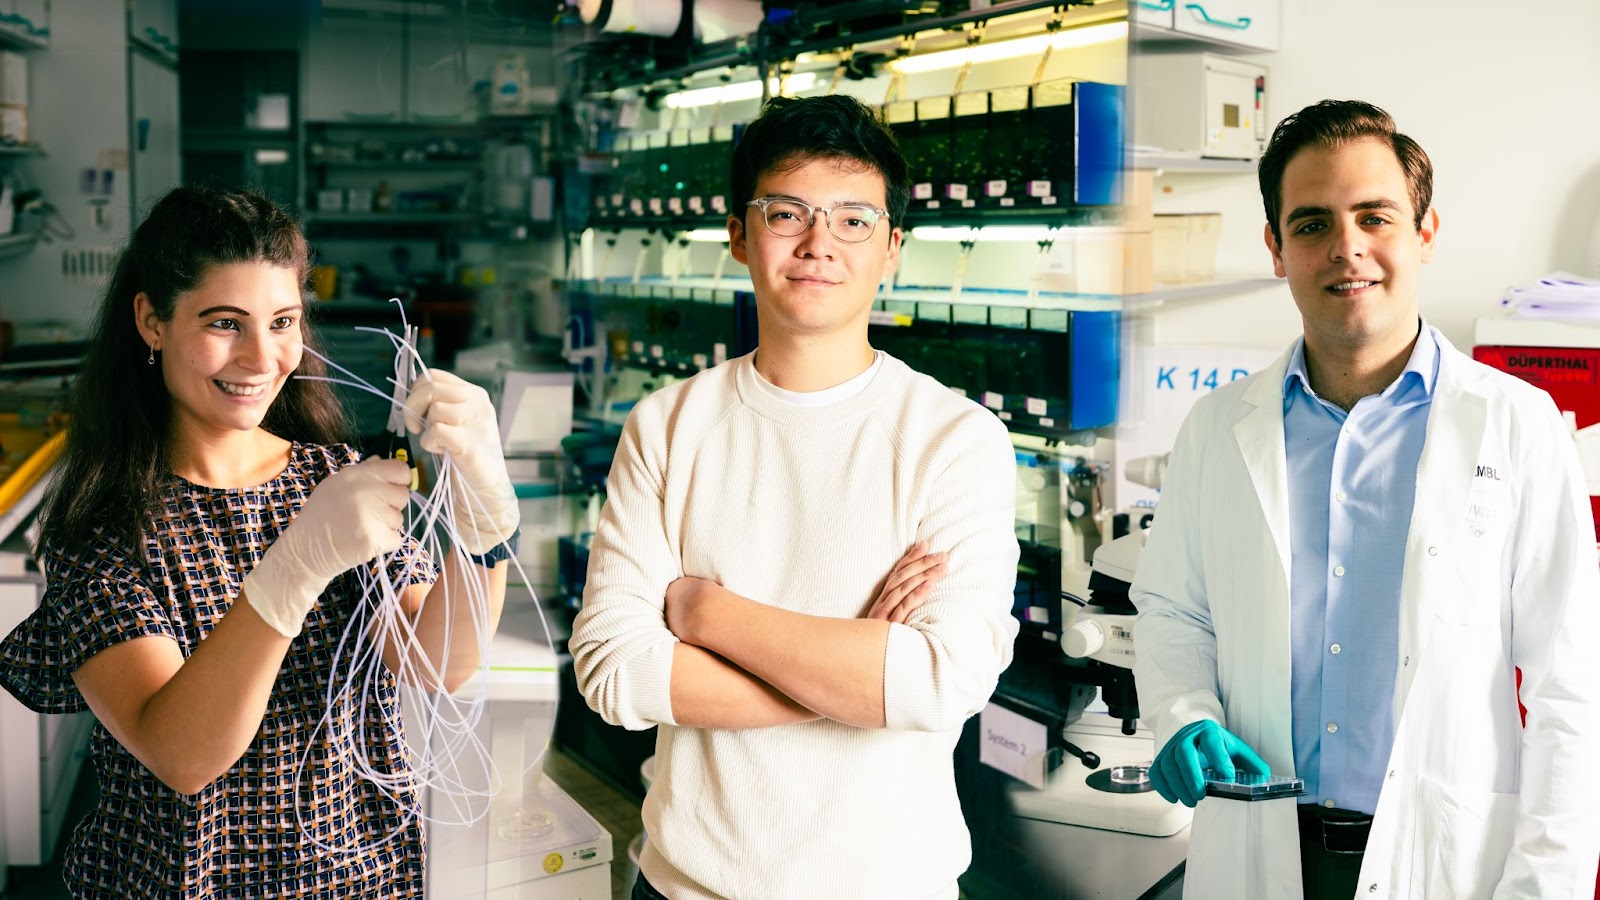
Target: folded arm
x=630 y=668
x=924 y=662
x=844 y=683
x=831 y=666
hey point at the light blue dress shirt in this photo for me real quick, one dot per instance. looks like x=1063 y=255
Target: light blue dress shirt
x=1352 y=483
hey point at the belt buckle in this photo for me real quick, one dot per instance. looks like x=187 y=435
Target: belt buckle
x=1327 y=830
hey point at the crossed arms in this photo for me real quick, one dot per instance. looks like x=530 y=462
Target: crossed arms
x=740 y=663
x=653 y=646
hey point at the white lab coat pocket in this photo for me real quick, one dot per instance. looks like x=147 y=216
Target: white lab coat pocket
x=1488 y=510
x=1462 y=841
x=1477 y=556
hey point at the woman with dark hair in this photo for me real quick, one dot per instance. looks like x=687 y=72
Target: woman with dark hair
x=204 y=543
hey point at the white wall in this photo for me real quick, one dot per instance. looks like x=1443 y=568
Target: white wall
x=1502 y=96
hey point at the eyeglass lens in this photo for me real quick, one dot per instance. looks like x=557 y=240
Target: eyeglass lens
x=851 y=224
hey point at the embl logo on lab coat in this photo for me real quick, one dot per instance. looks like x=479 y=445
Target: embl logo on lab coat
x=1487 y=472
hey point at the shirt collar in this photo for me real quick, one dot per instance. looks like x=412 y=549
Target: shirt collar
x=1424 y=364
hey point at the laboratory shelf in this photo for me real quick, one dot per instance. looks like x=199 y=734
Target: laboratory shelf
x=1170 y=295
x=1184 y=165
x=391 y=218
x=13 y=244
x=157 y=47
x=18 y=37
x=738 y=50
x=392 y=122
x=418 y=164
x=1065 y=216
x=936 y=300
x=21 y=150
x=937 y=296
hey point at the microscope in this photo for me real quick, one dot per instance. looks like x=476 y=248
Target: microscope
x=1073 y=649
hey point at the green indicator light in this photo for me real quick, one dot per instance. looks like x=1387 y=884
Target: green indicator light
x=679 y=185
x=663 y=167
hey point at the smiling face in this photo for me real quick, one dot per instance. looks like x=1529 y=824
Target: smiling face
x=229 y=347
x=814 y=284
x=1351 y=248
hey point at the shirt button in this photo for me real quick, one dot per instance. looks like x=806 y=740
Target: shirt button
x=1349 y=429
x=1340 y=496
x=1335 y=649
x=1338 y=571
x=1433 y=551
x=1328 y=803
x=1333 y=727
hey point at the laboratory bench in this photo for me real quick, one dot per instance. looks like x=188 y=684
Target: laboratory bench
x=1079 y=862
x=40 y=756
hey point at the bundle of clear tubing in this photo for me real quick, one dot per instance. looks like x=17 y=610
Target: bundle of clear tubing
x=449 y=760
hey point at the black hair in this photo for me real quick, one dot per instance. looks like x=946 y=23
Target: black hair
x=1329 y=124
x=792 y=131
x=120 y=411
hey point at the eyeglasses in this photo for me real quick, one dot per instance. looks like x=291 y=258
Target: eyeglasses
x=791 y=218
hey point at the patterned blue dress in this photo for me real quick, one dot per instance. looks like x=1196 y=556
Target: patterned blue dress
x=249 y=833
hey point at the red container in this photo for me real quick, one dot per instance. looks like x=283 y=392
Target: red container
x=1571 y=375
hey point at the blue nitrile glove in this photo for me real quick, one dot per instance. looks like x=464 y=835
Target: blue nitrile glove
x=1178 y=774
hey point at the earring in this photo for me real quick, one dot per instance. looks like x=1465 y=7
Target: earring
x=152 y=360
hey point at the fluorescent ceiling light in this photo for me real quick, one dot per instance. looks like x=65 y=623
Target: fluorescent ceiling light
x=709 y=235
x=955 y=234
x=1012 y=49
x=741 y=90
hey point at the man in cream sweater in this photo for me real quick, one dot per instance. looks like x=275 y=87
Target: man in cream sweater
x=803 y=572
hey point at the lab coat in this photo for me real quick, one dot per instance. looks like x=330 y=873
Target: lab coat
x=1500 y=571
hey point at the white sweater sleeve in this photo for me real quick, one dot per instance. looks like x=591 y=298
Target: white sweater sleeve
x=621 y=648
x=942 y=665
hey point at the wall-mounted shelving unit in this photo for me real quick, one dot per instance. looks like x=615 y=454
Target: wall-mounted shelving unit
x=1191 y=165
x=21 y=31
x=1168 y=296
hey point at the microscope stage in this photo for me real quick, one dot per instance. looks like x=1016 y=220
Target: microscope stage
x=1069 y=799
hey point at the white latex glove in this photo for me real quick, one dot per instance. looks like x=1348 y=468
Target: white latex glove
x=354 y=516
x=457 y=420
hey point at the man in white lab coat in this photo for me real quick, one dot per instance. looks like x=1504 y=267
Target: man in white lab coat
x=1357 y=549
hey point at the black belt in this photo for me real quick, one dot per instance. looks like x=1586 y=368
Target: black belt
x=1335 y=830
